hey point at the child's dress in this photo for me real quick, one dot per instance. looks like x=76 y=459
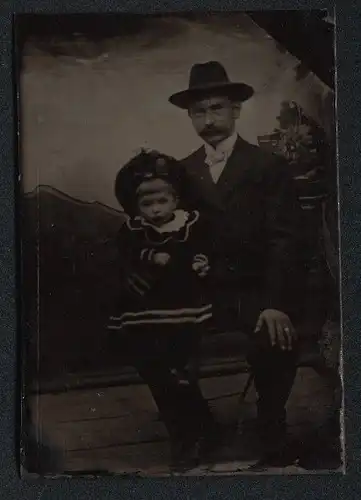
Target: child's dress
x=162 y=309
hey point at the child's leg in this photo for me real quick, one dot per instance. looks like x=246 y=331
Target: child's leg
x=194 y=360
x=184 y=359
x=184 y=349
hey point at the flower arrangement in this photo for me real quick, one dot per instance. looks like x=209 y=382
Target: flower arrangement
x=299 y=139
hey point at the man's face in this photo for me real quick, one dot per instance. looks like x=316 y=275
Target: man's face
x=214 y=118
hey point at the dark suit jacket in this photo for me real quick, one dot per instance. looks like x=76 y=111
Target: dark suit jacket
x=254 y=209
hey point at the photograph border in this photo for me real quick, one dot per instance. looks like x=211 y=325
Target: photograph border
x=348 y=19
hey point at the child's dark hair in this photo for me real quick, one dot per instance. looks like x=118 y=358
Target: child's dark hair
x=147 y=165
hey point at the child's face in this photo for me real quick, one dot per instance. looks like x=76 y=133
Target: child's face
x=157 y=206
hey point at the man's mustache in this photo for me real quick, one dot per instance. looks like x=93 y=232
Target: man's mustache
x=210 y=131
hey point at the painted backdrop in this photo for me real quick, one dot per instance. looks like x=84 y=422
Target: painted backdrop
x=87 y=107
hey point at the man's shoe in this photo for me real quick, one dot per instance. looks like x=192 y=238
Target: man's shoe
x=321 y=454
x=278 y=458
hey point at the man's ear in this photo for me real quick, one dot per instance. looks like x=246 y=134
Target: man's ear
x=236 y=109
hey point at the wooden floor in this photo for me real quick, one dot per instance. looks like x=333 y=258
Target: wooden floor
x=117 y=429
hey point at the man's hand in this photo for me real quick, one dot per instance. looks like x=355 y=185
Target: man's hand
x=279 y=326
x=161 y=258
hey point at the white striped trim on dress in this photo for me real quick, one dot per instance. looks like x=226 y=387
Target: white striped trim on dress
x=135 y=287
x=155 y=321
x=147 y=254
x=135 y=276
x=163 y=312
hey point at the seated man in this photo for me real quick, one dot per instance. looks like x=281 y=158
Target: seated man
x=250 y=196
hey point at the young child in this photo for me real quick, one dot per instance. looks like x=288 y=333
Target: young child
x=164 y=305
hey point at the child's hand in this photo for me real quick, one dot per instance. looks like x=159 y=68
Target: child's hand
x=200 y=265
x=161 y=258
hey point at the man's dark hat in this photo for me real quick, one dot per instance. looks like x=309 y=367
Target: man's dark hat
x=146 y=165
x=206 y=79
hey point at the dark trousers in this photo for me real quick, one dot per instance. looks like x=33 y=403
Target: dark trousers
x=274 y=373
x=274 y=370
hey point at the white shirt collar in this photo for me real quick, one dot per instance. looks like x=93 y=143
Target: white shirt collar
x=223 y=148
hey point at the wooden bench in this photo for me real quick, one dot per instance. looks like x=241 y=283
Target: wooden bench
x=222 y=354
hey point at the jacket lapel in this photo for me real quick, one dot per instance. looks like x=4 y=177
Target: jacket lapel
x=237 y=166
x=202 y=178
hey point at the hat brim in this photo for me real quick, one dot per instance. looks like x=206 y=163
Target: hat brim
x=239 y=92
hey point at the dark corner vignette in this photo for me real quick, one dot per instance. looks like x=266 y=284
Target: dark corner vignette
x=23 y=336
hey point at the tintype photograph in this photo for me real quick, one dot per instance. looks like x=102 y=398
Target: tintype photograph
x=179 y=246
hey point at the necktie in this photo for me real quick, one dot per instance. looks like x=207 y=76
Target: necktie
x=215 y=157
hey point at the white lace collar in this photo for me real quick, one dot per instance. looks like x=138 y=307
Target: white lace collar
x=179 y=220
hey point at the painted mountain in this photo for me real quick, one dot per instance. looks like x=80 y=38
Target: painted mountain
x=68 y=278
